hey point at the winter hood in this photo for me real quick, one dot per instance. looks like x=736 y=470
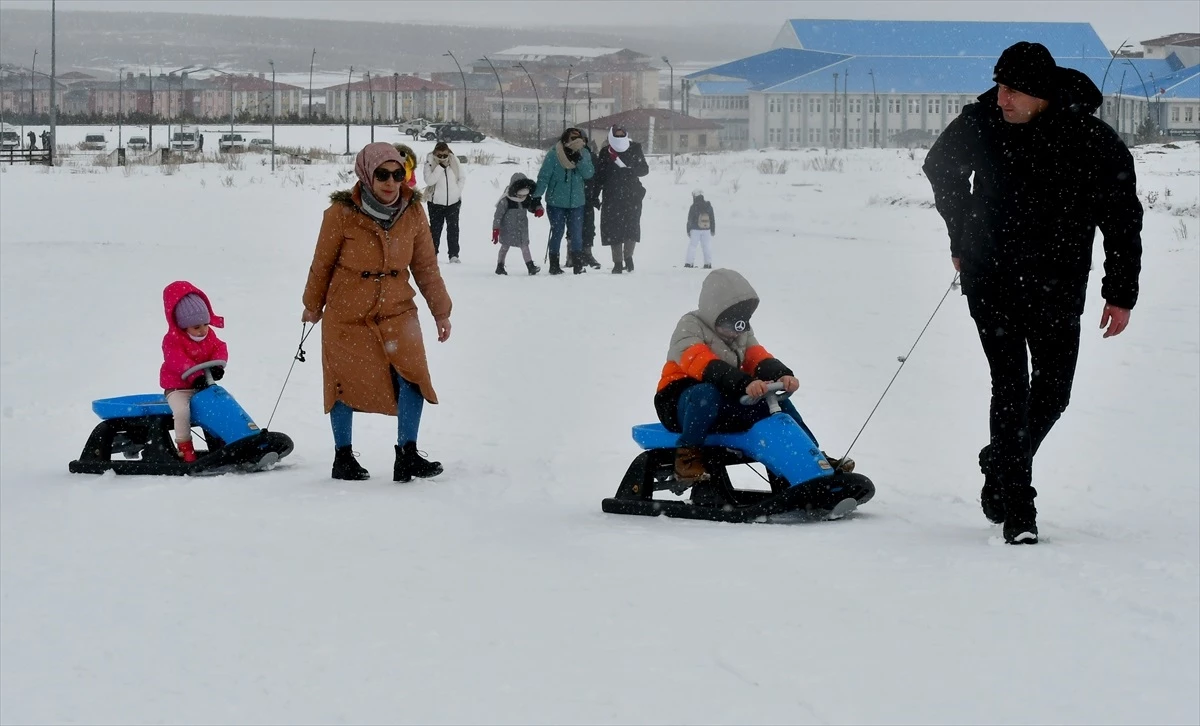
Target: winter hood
x=722 y=290
x=518 y=181
x=175 y=292
x=1076 y=93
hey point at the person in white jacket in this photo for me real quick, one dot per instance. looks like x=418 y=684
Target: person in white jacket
x=443 y=192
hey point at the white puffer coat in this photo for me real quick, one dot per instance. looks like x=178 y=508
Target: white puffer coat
x=443 y=184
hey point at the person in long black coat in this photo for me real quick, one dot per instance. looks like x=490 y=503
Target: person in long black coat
x=1047 y=174
x=619 y=193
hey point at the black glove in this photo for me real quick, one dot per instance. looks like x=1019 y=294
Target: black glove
x=218 y=373
x=574 y=156
x=200 y=383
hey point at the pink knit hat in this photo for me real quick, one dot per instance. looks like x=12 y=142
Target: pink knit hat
x=372 y=157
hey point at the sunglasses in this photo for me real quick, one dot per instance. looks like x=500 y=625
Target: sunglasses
x=442 y=156
x=383 y=174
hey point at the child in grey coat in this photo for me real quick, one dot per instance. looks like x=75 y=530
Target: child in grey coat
x=510 y=226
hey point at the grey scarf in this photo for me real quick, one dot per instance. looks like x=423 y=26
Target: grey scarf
x=386 y=215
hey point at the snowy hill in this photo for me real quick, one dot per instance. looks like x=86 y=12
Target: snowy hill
x=499 y=592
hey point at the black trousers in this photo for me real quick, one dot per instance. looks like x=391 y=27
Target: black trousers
x=1016 y=329
x=440 y=214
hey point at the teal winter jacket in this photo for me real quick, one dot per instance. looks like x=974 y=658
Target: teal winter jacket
x=558 y=186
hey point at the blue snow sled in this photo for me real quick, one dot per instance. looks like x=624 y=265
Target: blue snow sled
x=141 y=429
x=800 y=476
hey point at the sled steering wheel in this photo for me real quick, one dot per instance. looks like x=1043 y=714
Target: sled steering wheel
x=207 y=367
x=775 y=393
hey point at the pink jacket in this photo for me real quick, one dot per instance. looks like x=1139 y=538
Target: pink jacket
x=180 y=352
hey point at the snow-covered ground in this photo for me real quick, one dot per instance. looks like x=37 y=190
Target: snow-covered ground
x=499 y=592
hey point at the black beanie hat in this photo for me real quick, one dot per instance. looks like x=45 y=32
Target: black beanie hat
x=1028 y=68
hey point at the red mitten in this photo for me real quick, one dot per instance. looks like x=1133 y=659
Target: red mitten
x=539 y=212
x=495 y=236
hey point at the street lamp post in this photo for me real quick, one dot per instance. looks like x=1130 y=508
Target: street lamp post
x=874 y=111
x=371 y=102
x=465 y=116
x=311 y=64
x=566 y=88
x=536 y=100
x=1104 y=80
x=833 y=111
x=671 y=95
x=53 y=81
x=32 y=86
x=120 y=103
x=274 y=113
x=846 y=108
x=500 y=85
x=588 y=83
x=349 y=80
x=396 y=97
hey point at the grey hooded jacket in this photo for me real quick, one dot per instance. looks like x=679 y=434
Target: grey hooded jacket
x=725 y=294
x=512 y=218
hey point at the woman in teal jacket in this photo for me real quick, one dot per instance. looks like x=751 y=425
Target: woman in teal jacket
x=560 y=184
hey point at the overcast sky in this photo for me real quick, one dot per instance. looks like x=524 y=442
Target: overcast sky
x=1114 y=20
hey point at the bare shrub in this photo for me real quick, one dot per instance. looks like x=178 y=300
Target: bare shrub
x=1181 y=231
x=482 y=158
x=771 y=166
x=227 y=181
x=231 y=162
x=168 y=169
x=825 y=163
x=735 y=185
x=680 y=171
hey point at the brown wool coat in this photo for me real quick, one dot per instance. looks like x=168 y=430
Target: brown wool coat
x=370 y=325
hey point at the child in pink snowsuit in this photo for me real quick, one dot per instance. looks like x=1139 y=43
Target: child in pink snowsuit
x=189 y=341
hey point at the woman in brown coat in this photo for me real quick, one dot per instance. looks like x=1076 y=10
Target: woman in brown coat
x=372 y=239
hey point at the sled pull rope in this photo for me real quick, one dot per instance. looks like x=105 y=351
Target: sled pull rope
x=903 y=359
x=305 y=331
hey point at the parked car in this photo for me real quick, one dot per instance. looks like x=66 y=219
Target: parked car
x=413 y=127
x=138 y=143
x=430 y=132
x=94 y=142
x=458 y=132
x=10 y=140
x=231 y=142
x=187 y=138
x=264 y=144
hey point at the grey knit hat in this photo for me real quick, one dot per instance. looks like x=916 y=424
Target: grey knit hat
x=191 y=311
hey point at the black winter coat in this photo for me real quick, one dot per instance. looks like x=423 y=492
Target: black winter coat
x=1040 y=191
x=700 y=205
x=620 y=192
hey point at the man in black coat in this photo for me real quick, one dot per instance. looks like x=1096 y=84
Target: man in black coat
x=1047 y=174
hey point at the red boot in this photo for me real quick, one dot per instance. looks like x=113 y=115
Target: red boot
x=187 y=451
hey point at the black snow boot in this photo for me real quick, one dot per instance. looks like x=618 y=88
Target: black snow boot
x=345 y=466
x=500 y=269
x=409 y=464
x=589 y=259
x=991 y=498
x=1020 y=522
x=577 y=264
x=629 y=264
x=554 y=268
x=533 y=269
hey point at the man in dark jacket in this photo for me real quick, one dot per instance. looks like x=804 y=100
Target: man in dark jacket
x=1047 y=174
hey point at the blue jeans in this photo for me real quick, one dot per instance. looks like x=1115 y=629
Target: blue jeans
x=703 y=410
x=560 y=217
x=409 y=405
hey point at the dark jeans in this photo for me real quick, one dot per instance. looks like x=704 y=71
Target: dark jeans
x=560 y=217
x=440 y=214
x=702 y=410
x=1014 y=330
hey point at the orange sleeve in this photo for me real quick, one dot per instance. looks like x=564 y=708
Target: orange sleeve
x=754 y=355
x=695 y=359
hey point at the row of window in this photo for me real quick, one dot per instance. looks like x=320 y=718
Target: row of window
x=737 y=103
x=834 y=136
x=1188 y=112
x=794 y=104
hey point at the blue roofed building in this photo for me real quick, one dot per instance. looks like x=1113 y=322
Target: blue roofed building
x=1171 y=101
x=852 y=83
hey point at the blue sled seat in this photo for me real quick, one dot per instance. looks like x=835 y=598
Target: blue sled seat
x=142 y=404
x=656 y=436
